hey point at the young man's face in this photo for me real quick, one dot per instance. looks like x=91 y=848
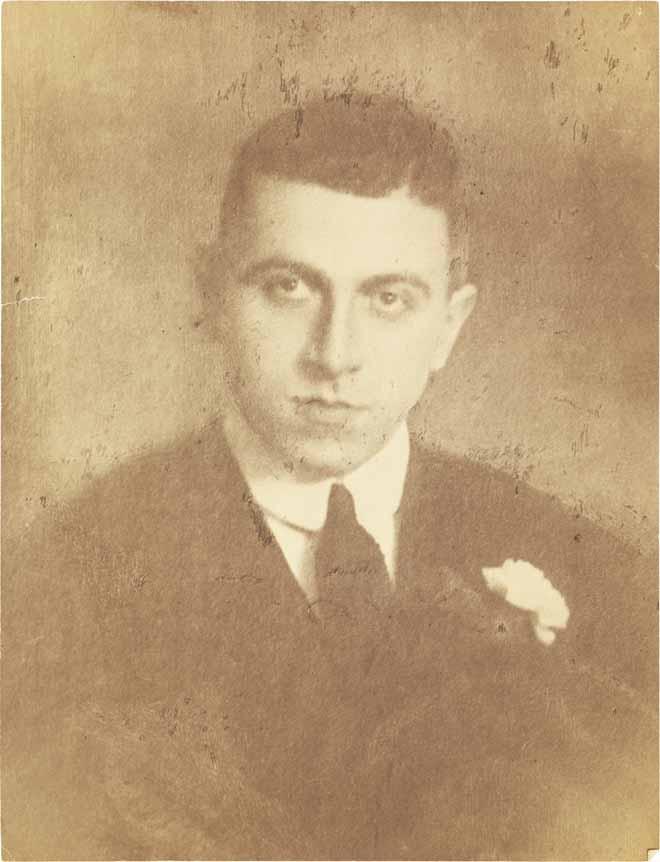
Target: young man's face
x=335 y=311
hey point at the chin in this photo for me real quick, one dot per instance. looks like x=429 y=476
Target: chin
x=317 y=460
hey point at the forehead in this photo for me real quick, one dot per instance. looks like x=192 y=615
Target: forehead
x=344 y=234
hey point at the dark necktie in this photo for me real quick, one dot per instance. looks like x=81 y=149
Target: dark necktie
x=351 y=574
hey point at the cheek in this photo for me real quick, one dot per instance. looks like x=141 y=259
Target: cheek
x=266 y=344
x=403 y=364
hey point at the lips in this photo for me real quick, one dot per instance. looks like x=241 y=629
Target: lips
x=327 y=402
x=327 y=411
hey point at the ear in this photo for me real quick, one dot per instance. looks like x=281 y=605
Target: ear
x=461 y=302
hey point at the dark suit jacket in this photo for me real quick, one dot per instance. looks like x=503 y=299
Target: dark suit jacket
x=167 y=693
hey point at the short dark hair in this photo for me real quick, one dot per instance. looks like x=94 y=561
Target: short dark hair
x=367 y=145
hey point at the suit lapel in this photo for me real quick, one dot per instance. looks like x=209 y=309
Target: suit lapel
x=434 y=526
x=239 y=546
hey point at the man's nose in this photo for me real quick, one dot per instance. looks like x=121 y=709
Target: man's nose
x=336 y=349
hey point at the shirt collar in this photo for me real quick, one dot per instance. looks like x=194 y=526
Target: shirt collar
x=376 y=486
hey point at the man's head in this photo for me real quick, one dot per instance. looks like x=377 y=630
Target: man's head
x=338 y=239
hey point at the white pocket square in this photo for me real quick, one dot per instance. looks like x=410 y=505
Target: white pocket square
x=526 y=587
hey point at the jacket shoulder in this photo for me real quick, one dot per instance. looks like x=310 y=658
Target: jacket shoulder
x=482 y=517
x=114 y=551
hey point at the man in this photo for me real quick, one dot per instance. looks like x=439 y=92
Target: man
x=298 y=634
x=335 y=308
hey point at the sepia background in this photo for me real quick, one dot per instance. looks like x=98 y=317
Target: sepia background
x=118 y=122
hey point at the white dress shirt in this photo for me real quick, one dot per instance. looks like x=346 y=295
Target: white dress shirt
x=296 y=511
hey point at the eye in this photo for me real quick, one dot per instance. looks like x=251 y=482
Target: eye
x=390 y=302
x=388 y=297
x=286 y=288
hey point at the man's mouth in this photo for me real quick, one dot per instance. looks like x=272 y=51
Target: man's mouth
x=327 y=411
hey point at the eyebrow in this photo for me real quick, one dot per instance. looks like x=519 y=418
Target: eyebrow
x=318 y=278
